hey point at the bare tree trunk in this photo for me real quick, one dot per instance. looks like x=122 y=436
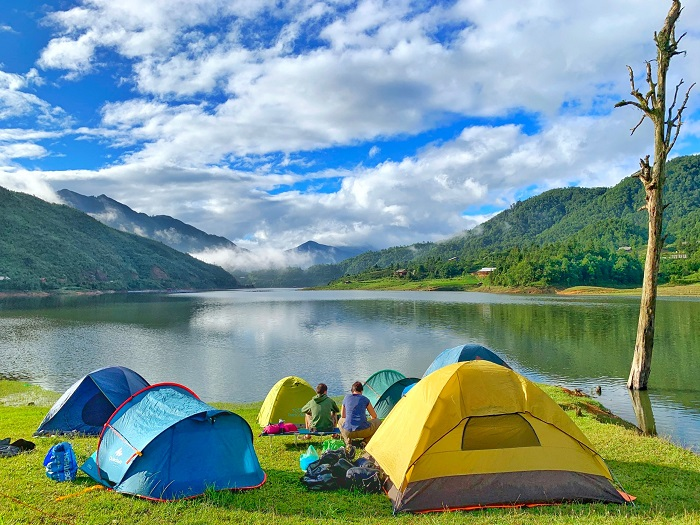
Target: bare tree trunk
x=666 y=129
x=644 y=346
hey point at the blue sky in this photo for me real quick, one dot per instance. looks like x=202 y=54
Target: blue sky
x=378 y=123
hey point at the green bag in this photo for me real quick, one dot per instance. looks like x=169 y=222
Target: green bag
x=332 y=444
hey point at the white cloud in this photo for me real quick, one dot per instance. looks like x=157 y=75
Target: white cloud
x=27 y=182
x=20 y=150
x=73 y=55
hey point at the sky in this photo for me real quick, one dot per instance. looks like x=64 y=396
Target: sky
x=371 y=123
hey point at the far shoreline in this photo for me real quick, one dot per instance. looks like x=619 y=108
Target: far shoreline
x=444 y=285
x=666 y=290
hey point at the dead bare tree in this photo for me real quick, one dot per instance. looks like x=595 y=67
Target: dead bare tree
x=667 y=125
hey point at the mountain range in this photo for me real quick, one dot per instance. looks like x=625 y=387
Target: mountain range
x=50 y=246
x=182 y=236
x=162 y=228
x=324 y=254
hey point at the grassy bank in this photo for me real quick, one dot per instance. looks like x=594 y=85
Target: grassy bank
x=457 y=284
x=666 y=290
x=665 y=479
x=472 y=284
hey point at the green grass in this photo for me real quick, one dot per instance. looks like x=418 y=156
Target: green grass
x=664 y=290
x=665 y=479
x=457 y=284
x=470 y=283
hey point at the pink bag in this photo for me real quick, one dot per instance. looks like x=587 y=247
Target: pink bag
x=272 y=429
x=280 y=428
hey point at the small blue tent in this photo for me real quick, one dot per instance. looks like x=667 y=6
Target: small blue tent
x=458 y=354
x=87 y=404
x=164 y=443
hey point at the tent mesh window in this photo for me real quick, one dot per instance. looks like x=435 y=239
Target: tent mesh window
x=501 y=431
x=97 y=410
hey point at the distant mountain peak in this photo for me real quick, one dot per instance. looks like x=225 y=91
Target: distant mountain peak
x=324 y=254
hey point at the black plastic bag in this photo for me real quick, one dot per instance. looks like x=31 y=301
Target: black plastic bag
x=323 y=481
x=364 y=479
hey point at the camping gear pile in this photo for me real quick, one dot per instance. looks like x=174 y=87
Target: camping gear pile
x=335 y=469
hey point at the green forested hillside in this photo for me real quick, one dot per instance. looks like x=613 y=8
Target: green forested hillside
x=564 y=236
x=47 y=246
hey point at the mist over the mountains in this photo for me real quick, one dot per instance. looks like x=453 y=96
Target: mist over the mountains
x=261 y=259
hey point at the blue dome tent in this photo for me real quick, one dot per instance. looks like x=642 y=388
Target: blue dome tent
x=164 y=443
x=87 y=404
x=458 y=354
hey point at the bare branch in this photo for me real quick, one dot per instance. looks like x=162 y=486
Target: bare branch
x=651 y=94
x=677 y=122
x=635 y=92
x=675 y=97
x=638 y=124
x=629 y=103
x=671 y=122
x=642 y=208
x=679 y=41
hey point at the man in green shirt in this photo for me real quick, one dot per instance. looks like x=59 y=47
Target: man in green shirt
x=321 y=411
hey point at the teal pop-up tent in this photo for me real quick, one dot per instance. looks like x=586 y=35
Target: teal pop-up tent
x=393 y=395
x=164 y=443
x=378 y=382
x=384 y=390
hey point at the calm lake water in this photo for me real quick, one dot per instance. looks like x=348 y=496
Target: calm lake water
x=233 y=346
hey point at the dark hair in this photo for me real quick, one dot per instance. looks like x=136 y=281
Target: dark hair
x=357 y=387
x=321 y=388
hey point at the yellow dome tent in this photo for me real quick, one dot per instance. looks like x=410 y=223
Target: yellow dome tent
x=284 y=401
x=475 y=434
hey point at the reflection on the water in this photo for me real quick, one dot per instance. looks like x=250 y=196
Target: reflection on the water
x=642 y=409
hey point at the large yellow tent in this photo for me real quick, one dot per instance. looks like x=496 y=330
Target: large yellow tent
x=284 y=401
x=476 y=434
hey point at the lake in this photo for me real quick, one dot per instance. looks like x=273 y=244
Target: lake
x=232 y=346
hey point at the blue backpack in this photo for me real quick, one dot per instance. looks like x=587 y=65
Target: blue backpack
x=60 y=462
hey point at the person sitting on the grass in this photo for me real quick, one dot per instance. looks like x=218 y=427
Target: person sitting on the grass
x=353 y=423
x=321 y=412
